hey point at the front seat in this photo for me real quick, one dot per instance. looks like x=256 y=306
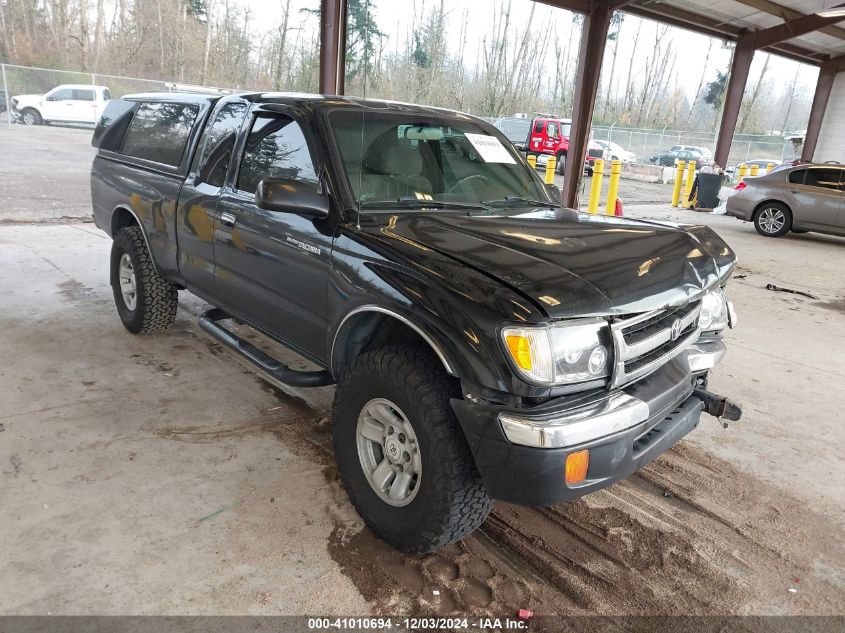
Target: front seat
x=392 y=169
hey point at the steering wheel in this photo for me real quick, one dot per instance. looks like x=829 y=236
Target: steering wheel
x=464 y=179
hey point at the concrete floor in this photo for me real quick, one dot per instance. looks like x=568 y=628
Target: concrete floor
x=160 y=475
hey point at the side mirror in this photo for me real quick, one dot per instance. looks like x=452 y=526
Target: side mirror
x=291 y=196
x=554 y=193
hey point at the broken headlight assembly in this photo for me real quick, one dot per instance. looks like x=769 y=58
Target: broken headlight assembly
x=717 y=311
x=560 y=353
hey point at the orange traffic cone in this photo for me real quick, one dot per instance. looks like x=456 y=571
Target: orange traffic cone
x=618 y=210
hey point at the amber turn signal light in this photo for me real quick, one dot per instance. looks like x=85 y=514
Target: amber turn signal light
x=576 y=466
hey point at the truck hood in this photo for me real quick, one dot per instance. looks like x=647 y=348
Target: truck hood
x=27 y=99
x=570 y=264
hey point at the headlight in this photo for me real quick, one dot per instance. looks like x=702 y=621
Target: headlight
x=560 y=354
x=717 y=312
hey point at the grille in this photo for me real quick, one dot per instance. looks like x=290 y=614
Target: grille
x=645 y=342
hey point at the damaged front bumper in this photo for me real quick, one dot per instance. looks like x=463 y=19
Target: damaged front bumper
x=521 y=453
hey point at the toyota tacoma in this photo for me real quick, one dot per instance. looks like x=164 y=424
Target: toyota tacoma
x=485 y=342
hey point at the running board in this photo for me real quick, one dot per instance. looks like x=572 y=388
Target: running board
x=266 y=363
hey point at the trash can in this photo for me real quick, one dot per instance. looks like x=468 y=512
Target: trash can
x=708 y=190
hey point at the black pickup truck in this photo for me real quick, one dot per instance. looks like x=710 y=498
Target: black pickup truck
x=485 y=342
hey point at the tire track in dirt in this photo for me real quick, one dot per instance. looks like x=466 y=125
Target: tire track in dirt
x=689 y=534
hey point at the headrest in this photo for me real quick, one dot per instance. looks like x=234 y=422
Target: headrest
x=393 y=158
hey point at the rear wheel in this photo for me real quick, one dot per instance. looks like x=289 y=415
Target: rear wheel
x=773 y=219
x=31 y=117
x=145 y=301
x=401 y=453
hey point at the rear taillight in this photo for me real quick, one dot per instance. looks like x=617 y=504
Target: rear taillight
x=741 y=186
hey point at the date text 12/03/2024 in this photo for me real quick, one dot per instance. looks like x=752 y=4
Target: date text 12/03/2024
x=417 y=624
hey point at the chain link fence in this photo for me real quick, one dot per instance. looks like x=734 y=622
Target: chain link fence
x=646 y=142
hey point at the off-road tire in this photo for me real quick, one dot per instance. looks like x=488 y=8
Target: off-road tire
x=763 y=225
x=157 y=298
x=30 y=116
x=451 y=501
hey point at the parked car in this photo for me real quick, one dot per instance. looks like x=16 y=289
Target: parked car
x=550 y=137
x=762 y=165
x=485 y=342
x=670 y=158
x=706 y=156
x=800 y=199
x=616 y=152
x=68 y=103
x=516 y=129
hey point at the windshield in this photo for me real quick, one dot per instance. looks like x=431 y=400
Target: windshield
x=392 y=157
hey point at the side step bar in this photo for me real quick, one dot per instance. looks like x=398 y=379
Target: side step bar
x=266 y=363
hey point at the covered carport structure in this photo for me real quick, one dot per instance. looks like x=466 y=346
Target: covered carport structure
x=802 y=30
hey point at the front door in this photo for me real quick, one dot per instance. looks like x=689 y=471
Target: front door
x=272 y=268
x=58 y=105
x=196 y=213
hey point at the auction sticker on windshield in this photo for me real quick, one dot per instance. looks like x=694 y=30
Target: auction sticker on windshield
x=490 y=148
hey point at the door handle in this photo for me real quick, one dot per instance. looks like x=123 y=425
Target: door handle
x=227 y=219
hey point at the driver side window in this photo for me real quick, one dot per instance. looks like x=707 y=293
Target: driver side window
x=65 y=94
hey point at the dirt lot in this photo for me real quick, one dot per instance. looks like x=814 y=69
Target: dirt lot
x=160 y=475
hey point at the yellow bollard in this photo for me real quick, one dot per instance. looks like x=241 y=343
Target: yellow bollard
x=755 y=170
x=679 y=177
x=688 y=182
x=769 y=167
x=613 y=187
x=743 y=170
x=550 y=170
x=595 y=186
x=532 y=160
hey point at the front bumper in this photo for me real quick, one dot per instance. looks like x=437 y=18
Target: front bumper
x=521 y=453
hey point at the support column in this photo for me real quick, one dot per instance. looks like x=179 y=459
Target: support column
x=741 y=64
x=332 y=46
x=590 y=55
x=824 y=85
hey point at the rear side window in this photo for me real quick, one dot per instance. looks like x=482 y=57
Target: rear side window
x=219 y=143
x=275 y=148
x=81 y=94
x=106 y=94
x=797 y=177
x=159 y=132
x=551 y=130
x=824 y=178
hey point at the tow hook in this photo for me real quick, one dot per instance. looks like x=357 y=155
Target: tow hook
x=719 y=407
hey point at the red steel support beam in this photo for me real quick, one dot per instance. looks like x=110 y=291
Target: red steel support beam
x=823 y=87
x=791 y=28
x=590 y=55
x=332 y=46
x=743 y=55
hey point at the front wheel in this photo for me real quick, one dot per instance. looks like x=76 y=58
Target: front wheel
x=401 y=453
x=145 y=301
x=773 y=219
x=561 y=164
x=31 y=117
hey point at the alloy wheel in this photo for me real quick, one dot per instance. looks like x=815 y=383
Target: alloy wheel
x=772 y=220
x=126 y=276
x=389 y=452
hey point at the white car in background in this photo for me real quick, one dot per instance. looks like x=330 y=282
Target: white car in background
x=612 y=151
x=68 y=103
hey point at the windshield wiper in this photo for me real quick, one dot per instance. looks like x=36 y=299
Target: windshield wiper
x=510 y=199
x=416 y=203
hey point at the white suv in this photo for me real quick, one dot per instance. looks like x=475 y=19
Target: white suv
x=71 y=103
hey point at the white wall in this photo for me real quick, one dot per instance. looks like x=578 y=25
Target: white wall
x=831 y=145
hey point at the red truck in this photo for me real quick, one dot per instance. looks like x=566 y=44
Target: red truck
x=550 y=137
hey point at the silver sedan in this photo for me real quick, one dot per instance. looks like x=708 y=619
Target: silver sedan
x=803 y=198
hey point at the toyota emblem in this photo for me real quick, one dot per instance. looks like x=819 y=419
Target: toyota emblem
x=677 y=326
